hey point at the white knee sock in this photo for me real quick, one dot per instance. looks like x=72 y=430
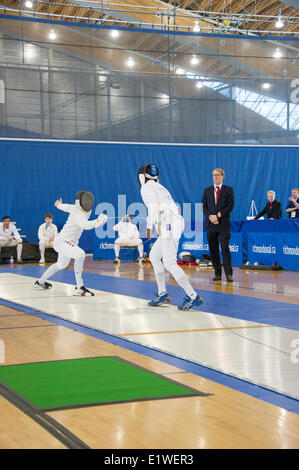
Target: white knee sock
x=116 y=249
x=140 y=250
x=42 y=250
x=78 y=268
x=185 y=284
x=49 y=273
x=182 y=279
x=160 y=276
x=19 y=250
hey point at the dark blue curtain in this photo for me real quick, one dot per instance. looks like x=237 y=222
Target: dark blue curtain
x=36 y=173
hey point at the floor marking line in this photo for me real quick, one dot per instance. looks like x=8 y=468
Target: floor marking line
x=192 y=331
x=16 y=284
x=174 y=373
x=52 y=426
x=48 y=297
x=25 y=326
x=13 y=315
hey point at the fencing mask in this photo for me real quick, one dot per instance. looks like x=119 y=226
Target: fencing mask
x=86 y=200
x=148 y=172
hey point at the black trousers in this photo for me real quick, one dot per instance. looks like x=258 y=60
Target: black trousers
x=214 y=237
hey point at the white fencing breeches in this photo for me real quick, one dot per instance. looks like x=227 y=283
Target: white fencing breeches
x=66 y=251
x=17 y=243
x=43 y=244
x=128 y=242
x=163 y=255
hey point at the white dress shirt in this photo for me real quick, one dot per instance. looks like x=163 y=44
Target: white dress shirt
x=215 y=190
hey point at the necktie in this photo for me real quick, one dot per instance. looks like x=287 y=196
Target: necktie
x=217 y=193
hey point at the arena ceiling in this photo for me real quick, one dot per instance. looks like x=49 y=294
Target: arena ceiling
x=253 y=16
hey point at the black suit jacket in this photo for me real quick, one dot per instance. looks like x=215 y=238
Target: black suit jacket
x=224 y=205
x=274 y=213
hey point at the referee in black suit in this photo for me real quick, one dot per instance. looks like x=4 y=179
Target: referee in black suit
x=218 y=202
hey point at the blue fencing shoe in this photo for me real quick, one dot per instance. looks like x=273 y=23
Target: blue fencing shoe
x=189 y=303
x=159 y=300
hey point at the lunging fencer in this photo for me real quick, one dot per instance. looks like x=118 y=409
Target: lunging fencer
x=164 y=215
x=66 y=242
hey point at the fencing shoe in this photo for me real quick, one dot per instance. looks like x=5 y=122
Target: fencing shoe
x=45 y=285
x=190 y=303
x=83 y=292
x=159 y=300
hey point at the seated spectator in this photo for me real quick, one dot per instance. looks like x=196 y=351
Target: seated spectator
x=46 y=234
x=128 y=235
x=293 y=205
x=272 y=208
x=9 y=236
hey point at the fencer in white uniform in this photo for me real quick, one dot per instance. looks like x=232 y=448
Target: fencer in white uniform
x=66 y=242
x=46 y=234
x=9 y=236
x=164 y=215
x=128 y=235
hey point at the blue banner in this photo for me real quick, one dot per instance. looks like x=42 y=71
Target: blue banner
x=262 y=248
x=288 y=251
x=199 y=247
x=269 y=248
x=104 y=248
x=266 y=226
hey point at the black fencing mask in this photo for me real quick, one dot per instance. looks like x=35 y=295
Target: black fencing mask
x=86 y=200
x=148 y=172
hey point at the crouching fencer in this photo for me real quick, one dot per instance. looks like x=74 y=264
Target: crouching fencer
x=164 y=215
x=9 y=236
x=128 y=235
x=66 y=242
x=46 y=234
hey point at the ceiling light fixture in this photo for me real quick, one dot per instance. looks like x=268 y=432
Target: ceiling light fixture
x=114 y=33
x=266 y=86
x=130 y=62
x=52 y=35
x=194 y=60
x=277 y=54
x=28 y=4
x=279 y=23
x=196 y=27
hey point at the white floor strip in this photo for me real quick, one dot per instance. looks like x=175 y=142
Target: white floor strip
x=258 y=353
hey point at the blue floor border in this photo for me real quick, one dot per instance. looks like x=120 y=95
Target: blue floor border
x=234 y=383
x=270 y=312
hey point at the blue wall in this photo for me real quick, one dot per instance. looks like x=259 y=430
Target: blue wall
x=36 y=173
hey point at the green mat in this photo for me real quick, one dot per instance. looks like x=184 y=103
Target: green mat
x=85 y=382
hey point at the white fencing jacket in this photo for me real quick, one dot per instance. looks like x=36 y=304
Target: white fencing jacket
x=76 y=223
x=47 y=232
x=11 y=231
x=163 y=213
x=126 y=230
